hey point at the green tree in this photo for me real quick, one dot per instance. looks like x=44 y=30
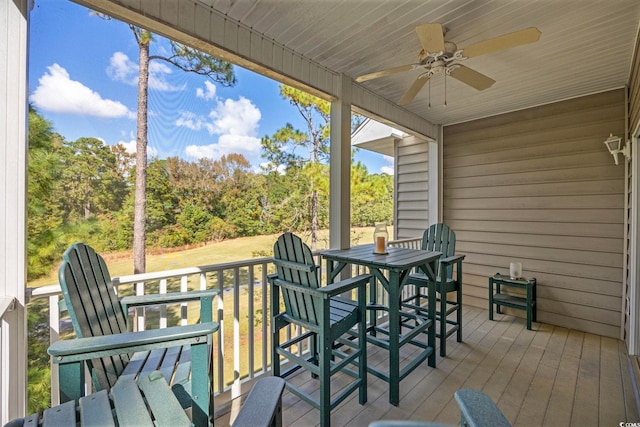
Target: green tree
x=195 y=183
x=188 y=60
x=371 y=196
x=44 y=209
x=284 y=146
x=94 y=178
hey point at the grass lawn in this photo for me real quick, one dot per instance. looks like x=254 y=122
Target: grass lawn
x=121 y=263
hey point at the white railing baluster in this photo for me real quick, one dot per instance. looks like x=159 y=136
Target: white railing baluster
x=265 y=310
x=184 y=287
x=54 y=335
x=220 y=334
x=236 y=389
x=203 y=281
x=139 y=324
x=163 y=307
x=251 y=320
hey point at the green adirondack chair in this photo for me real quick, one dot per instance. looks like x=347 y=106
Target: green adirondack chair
x=440 y=238
x=328 y=320
x=150 y=402
x=181 y=353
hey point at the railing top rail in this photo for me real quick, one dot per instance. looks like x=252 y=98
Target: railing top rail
x=405 y=240
x=43 y=291
x=50 y=290
x=166 y=274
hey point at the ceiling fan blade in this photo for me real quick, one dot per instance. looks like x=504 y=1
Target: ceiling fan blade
x=382 y=73
x=431 y=37
x=472 y=78
x=413 y=90
x=506 y=41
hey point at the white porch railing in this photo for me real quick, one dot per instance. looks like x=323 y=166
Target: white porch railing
x=242 y=344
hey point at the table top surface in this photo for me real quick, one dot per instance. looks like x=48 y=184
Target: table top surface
x=395 y=258
x=518 y=281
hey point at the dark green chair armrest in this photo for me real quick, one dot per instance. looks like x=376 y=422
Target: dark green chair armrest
x=80 y=349
x=263 y=407
x=478 y=410
x=452 y=259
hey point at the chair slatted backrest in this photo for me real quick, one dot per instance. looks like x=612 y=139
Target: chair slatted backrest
x=440 y=238
x=294 y=263
x=93 y=306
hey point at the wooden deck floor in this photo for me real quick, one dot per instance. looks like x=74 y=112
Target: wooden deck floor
x=549 y=376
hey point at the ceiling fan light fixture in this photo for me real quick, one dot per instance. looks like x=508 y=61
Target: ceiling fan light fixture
x=450 y=49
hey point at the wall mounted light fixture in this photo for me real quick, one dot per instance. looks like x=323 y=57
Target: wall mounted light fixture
x=614 y=144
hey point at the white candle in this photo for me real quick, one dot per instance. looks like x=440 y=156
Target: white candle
x=515 y=270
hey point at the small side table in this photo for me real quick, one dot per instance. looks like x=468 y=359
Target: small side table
x=499 y=299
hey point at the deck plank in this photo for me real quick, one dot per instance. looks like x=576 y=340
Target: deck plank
x=549 y=376
x=611 y=404
x=585 y=404
x=630 y=399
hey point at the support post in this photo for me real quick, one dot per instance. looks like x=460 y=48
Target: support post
x=14 y=16
x=340 y=167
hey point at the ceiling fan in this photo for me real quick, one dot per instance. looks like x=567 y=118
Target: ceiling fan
x=440 y=57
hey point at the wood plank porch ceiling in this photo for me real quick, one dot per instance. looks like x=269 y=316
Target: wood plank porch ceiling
x=585 y=47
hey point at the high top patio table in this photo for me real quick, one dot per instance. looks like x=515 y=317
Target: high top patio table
x=397 y=263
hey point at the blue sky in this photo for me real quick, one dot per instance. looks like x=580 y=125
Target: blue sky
x=82 y=78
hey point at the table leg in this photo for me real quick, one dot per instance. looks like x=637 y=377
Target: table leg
x=394 y=338
x=373 y=300
x=533 y=301
x=490 y=298
x=529 y=295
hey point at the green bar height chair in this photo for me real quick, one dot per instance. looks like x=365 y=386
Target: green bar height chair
x=440 y=238
x=328 y=320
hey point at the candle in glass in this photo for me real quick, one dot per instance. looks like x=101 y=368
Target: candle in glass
x=380 y=237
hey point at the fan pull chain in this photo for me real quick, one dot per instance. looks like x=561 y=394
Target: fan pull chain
x=445 y=89
x=429 y=107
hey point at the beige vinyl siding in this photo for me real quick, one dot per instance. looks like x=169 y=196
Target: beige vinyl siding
x=634 y=89
x=538 y=186
x=626 y=303
x=412 y=187
x=634 y=124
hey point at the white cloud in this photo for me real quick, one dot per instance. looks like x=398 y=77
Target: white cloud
x=281 y=169
x=58 y=93
x=388 y=168
x=249 y=146
x=236 y=123
x=122 y=69
x=130 y=147
x=192 y=121
x=209 y=91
